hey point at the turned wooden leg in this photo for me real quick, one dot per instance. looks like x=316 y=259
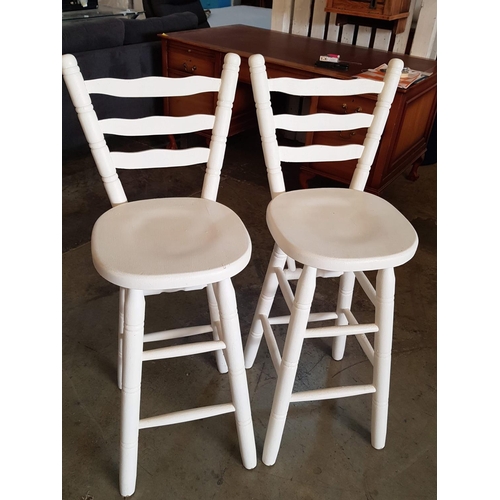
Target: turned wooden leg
x=215 y=321
x=346 y=287
x=231 y=335
x=289 y=363
x=120 y=336
x=384 y=313
x=133 y=336
x=264 y=305
x=304 y=178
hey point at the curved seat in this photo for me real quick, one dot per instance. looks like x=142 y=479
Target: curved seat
x=341 y=230
x=200 y=241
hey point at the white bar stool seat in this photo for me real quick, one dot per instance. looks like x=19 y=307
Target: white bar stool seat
x=341 y=230
x=172 y=243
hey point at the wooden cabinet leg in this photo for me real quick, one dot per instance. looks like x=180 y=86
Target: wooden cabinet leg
x=413 y=175
x=304 y=178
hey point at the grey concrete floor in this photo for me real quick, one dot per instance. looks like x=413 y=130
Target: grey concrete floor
x=326 y=451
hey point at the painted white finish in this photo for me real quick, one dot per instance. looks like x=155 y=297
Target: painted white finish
x=332 y=393
x=374 y=234
x=320 y=153
x=282 y=14
x=300 y=19
x=160 y=158
x=178 y=417
x=323 y=122
x=153 y=86
x=424 y=41
x=343 y=232
x=325 y=86
x=149 y=125
x=160 y=245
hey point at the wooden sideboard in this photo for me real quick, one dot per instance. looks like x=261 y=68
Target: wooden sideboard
x=404 y=143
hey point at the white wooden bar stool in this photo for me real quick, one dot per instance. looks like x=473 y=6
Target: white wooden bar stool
x=169 y=244
x=331 y=232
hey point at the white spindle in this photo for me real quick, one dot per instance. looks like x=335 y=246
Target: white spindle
x=177 y=417
x=264 y=111
x=88 y=120
x=332 y=393
x=131 y=389
x=226 y=299
x=374 y=133
x=230 y=71
x=384 y=313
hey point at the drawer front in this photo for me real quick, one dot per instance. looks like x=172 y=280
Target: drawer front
x=342 y=105
x=190 y=61
x=369 y=8
x=189 y=105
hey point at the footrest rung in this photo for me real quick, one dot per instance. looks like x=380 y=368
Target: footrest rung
x=183 y=350
x=320 y=316
x=335 y=331
x=332 y=393
x=177 y=333
x=294 y=274
x=178 y=417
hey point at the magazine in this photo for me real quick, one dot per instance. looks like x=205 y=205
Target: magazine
x=408 y=76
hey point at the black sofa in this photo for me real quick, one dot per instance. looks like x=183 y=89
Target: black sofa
x=119 y=48
x=155 y=8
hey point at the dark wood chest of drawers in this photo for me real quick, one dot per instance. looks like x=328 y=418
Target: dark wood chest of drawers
x=404 y=142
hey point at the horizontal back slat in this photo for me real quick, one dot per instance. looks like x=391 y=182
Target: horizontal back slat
x=318 y=152
x=322 y=122
x=160 y=158
x=157 y=125
x=153 y=86
x=325 y=86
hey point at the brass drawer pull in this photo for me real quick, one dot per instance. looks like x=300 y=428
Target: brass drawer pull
x=192 y=70
x=358 y=109
x=349 y=135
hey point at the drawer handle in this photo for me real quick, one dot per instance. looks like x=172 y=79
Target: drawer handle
x=192 y=70
x=358 y=109
x=344 y=137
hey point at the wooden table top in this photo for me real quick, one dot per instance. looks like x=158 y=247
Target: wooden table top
x=294 y=51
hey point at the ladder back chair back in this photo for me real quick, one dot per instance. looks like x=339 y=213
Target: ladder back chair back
x=330 y=232
x=160 y=245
